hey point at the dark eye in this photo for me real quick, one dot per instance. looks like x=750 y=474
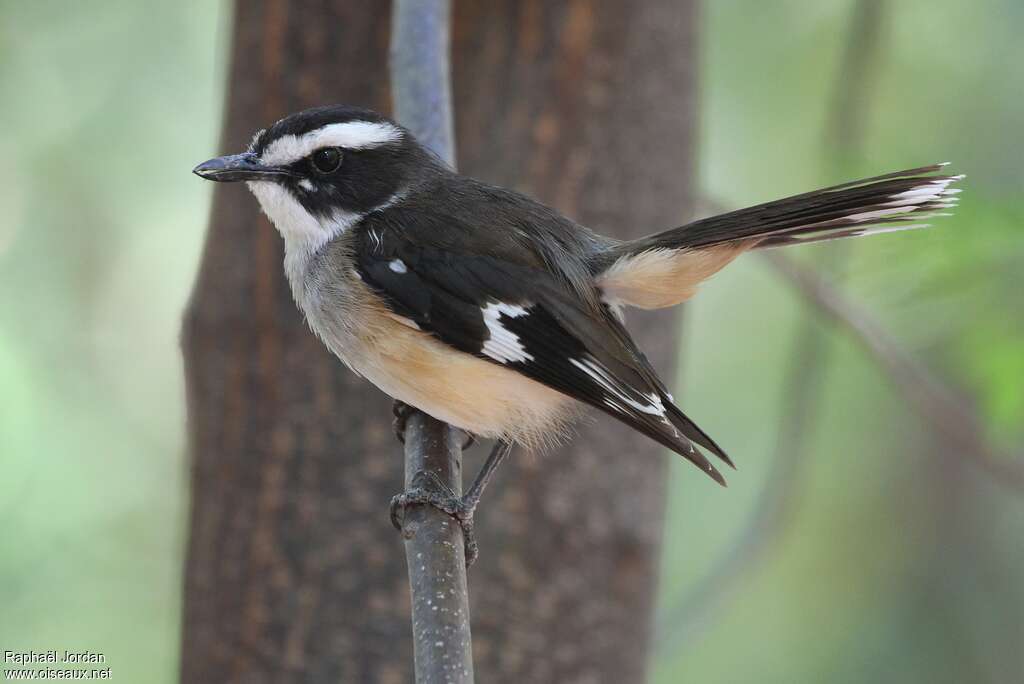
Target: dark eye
x=326 y=160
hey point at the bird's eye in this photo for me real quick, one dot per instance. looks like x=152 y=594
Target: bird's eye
x=326 y=159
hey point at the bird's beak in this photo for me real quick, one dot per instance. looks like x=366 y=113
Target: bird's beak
x=238 y=167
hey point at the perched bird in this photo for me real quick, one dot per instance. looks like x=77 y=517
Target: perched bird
x=490 y=311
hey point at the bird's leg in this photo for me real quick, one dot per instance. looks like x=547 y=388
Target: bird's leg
x=428 y=489
x=501 y=449
x=470 y=500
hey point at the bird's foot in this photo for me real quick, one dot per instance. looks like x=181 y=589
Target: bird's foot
x=428 y=489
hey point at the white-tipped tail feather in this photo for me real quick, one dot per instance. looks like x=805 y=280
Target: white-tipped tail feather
x=665 y=269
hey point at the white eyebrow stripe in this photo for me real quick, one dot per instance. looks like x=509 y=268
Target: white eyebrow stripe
x=352 y=135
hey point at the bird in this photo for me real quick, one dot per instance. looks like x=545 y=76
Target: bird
x=492 y=312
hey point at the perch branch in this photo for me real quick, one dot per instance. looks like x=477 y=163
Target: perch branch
x=434 y=552
x=420 y=81
x=434 y=543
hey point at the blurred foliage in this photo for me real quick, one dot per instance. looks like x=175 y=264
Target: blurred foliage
x=107 y=107
x=901 y=562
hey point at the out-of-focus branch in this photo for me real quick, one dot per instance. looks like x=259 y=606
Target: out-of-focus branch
x=807 y=363
x=434 y=544
x=948 y=413
x=847 y=117
x=684 y=622
x=946 y=410
x=805 y=377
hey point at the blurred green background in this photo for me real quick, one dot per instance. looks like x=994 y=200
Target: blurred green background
x=883 y=554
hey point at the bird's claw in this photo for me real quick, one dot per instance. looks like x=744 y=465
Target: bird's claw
x=429 y=490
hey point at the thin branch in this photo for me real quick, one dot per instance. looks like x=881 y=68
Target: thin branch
x=434 y=543
x=420 y=73
x=435 y=554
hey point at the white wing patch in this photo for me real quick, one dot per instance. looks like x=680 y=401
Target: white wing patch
x=503 y=345
x=352 y=135
x=652 y=406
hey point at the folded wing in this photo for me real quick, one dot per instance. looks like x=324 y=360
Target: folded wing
x=524 y=319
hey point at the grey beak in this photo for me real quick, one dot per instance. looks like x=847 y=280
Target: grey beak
x=238 y=167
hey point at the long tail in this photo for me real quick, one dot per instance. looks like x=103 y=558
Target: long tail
x=664 y=269
x=899 y=200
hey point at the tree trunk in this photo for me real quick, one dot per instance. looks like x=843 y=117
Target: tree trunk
x=590 y=108
x=294 y=572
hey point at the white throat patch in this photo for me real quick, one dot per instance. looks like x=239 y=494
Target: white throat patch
x=304 y=234
x=297 y=226
x=352 y=135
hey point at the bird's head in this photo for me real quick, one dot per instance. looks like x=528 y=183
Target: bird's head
x=319 y=170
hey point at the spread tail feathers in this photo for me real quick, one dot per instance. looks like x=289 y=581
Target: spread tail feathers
x=665 y=269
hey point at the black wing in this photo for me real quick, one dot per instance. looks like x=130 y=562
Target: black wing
x=522 y=317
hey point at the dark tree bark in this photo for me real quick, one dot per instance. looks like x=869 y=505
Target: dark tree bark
x=293 y=572
x=589 y=107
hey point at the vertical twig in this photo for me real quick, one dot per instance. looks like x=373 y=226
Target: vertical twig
x=434 y=551
x=420 y=73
